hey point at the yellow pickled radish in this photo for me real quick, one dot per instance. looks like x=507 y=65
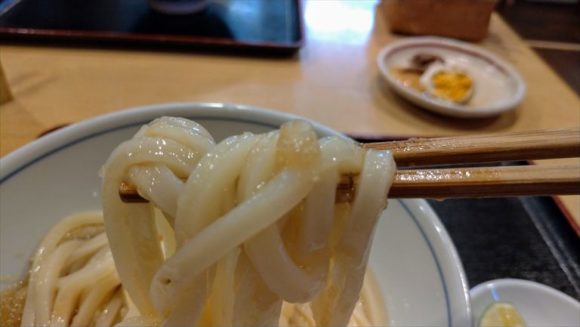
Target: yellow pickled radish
x=501 y=315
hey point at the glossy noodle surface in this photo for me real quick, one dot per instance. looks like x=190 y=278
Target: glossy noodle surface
x=244 y=232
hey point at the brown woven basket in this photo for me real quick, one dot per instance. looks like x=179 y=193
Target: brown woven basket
x=462 y=19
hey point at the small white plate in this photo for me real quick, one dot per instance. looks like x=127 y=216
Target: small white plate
x=538 y=304
x=498 y=86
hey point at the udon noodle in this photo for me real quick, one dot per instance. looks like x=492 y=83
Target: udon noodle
x=245 y=232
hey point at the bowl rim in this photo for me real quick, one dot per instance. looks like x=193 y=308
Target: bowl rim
x=443 y=250
x=535 y=289
x=444 y=107
x=95 y=125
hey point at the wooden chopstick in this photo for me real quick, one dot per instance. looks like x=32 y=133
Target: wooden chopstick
x=470 y=181
x=457 y=183
x=486 y=182
x=544 y=144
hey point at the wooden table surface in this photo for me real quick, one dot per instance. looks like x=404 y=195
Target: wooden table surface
x=333 y=80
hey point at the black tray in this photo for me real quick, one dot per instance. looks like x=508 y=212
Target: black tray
x=527 y=238
x=256 y=25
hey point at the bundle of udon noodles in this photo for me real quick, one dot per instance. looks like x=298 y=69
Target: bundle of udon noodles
x=245 y=232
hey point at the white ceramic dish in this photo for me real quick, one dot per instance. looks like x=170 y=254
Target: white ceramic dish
x=497 y=85
x=413 y=258
x=538 y=304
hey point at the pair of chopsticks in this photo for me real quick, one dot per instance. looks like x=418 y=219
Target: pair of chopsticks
x=486 y=181
x=470 y=181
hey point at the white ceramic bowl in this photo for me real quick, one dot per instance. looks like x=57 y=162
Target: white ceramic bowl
x=413 y=258
x=497 y=85
x=538 y=304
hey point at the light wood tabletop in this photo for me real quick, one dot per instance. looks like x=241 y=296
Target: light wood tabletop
x=334 y=80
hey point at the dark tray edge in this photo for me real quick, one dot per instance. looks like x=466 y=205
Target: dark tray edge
x=119 y=38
